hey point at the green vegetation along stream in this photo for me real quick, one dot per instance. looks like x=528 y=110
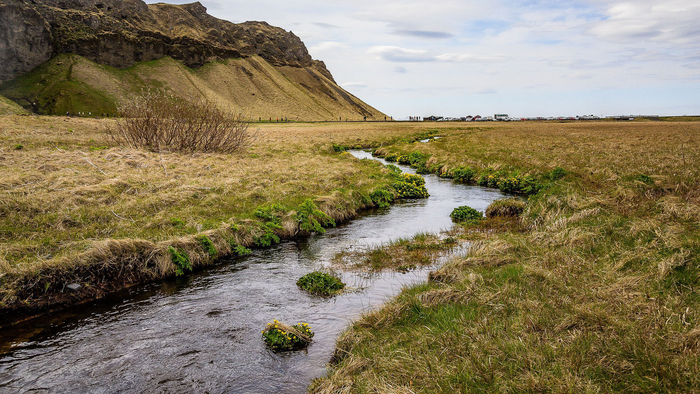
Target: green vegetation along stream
x=202 y=332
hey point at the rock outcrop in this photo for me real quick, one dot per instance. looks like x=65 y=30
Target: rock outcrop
x=88 y=56
x=121 y=33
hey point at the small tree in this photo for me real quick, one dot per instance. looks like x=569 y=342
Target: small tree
x=157 y=122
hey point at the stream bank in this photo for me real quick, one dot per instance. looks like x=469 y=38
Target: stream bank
x=202 y=332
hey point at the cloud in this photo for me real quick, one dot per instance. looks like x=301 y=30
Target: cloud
x=423 y=34
x=578 y=76
x=326 y=25
x=356 y=85
x=400 y=70
x=401 y=55
x=487 y=91
x=673 y=21
x=326 y=46
x=467 y=57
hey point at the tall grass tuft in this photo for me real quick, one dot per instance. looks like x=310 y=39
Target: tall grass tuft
x=159 y=122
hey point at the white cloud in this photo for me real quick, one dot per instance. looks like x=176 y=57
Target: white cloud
x=401 y=55
x=467 y=57
x=326 y=46
x=673 y=21
x=350 y=85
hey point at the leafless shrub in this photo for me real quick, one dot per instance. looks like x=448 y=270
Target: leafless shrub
x=158 y=122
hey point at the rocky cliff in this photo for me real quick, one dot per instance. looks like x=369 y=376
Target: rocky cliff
x=123 y=34
x=120 y=33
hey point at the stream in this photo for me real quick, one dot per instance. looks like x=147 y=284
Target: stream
x=201 y=333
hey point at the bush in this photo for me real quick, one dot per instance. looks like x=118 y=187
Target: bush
x=320 y=283
x=157 y=122
x=465 y=214
x=279 y=336
x=510 y=207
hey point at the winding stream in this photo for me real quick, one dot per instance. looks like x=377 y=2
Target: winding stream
x=201 y=333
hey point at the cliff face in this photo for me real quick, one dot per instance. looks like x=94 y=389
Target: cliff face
x=88 y=56
x=121 y=33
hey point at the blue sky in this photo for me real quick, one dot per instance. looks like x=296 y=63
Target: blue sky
x=524 y=58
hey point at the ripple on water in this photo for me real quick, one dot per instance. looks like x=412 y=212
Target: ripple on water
x=202 y=333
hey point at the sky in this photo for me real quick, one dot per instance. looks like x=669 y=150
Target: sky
x=519 y=57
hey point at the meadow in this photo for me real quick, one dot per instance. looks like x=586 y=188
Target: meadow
x=77 y=208
x=594 y=288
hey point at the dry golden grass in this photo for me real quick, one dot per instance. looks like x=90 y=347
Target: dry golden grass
x=594 y=289
x=71 y=200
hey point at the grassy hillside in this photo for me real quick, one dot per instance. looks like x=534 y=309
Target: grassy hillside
x=9 y=107
x=71 y=83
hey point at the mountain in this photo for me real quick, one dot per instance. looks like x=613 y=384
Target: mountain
x=90 y=55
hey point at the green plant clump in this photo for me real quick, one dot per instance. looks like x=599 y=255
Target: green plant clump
x=279 y=336
x=646 y=179
x=241 y=250
x=311 y=219
x=381 y=198
x=465 y=214
x=181 y=261
x=207 y=245
x=463 y=174
x=268 y=237
x=177 y=222
x=391 y=157
x=271 y=222
x=320 y=283
x=411 y=186
x=556 y=174
x=339 y=148
x=19 y=147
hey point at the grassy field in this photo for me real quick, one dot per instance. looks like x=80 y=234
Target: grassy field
x=595 y=288
x=76 y=209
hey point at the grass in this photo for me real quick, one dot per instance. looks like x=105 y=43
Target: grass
x=67 y=208
x=260 y=90
x=593 y=288
x=400 y=255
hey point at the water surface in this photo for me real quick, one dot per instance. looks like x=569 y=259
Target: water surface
x=201 y=333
